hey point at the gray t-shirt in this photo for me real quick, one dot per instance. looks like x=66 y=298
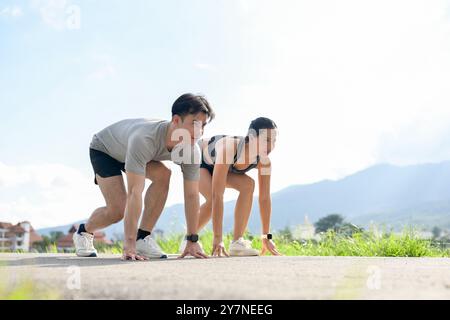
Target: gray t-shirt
x=136 y=142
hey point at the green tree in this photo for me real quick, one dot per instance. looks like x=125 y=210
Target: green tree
x=55 y=236
x=332 y=221
x=285 y=234
x=436 y=232
x=48 y=241
x=41 y=246
x=348 y=229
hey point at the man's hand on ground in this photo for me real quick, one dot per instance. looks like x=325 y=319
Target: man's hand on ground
x=132 y=257
x=193 y=249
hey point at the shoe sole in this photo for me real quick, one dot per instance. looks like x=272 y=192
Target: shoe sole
x=164 y=256
x=91 y=255
x=242 y=254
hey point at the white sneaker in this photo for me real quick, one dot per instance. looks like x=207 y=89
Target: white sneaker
x=148 y=248
x=184 y=243
x=84 y=244
x=242 y=247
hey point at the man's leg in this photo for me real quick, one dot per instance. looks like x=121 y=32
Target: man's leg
x=114 y=192
x=156 y=195
x=245 y=185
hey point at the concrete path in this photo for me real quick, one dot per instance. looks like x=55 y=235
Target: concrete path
x=107 y=277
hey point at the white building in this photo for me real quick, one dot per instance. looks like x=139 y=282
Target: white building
x=17 y=237
x=305 y=231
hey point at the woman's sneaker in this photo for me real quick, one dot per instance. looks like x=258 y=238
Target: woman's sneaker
x=84 y=244
x=148 y=248
x=183 y=246
x=242 y=247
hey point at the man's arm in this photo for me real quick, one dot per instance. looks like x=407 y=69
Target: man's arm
x=191 y=205
x=133 y=211
x=192 y=209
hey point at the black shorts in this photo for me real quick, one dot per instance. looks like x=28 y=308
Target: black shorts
x=207 y=166
x=104 y=165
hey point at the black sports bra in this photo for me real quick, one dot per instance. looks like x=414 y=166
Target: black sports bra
x=212 y=152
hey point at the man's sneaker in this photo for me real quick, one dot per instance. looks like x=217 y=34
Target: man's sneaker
x=242 y=247
x=148 y=248
x=84 y=244
x=183 y=246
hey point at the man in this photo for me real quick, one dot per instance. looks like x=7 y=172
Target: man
x=137 y=147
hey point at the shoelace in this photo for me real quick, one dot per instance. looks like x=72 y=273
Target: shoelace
x=245 y=242
x=88 y=240
x=153 y=244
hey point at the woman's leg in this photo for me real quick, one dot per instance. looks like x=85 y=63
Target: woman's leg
x=245 y=185
x=205 y=188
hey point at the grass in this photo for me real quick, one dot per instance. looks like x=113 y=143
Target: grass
x=26 y=290
x=23 y=289
x=365 y=245
x=368 y=244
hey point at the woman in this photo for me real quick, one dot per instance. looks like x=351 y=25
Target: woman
x=225 y=162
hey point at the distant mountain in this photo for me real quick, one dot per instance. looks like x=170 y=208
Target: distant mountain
x=416 y=194
x=386 y=194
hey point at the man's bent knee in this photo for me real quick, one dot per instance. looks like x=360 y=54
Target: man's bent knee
x=157 y=172
x=116 y=213
x=163 y=176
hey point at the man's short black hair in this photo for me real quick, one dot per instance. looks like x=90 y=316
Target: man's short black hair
x=189 y=103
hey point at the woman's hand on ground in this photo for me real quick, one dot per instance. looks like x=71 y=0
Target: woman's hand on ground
x=129 y=252
x=269 y=246
x=219 y=249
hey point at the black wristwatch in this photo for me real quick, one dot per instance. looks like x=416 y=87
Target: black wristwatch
x=192 y=237
x=267 y=236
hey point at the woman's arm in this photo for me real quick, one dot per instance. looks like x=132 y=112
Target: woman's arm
x=219 y=180
x=265 y=205
x=224 y=158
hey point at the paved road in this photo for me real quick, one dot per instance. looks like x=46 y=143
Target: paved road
x=107 y=277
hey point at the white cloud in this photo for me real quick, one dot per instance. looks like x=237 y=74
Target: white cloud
x=424 y=139
x=54 y=194
x=205 y=67
x=104 y=67
x=52 y=12
x=104 y=72
x=46 y=195
x=13 y=12
x=341 y=78
x=349 y=83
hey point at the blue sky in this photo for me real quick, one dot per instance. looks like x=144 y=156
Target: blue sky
x=349 y=83
x=124 y=61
